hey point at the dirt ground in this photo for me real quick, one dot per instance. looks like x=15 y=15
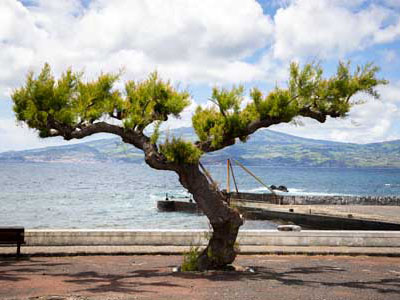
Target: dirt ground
x=151 y=277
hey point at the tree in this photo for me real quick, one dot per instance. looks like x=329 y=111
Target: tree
x=73 y=109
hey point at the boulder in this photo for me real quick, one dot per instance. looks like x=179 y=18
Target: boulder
x=289 y=228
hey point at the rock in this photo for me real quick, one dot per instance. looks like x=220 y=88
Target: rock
x=176 y=269
x=289 y=228
x=283 y=188
x=250 y=270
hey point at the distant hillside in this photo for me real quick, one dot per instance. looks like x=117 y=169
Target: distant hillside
x=265 y=147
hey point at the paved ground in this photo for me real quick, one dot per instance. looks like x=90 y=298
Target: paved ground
x=151 y=277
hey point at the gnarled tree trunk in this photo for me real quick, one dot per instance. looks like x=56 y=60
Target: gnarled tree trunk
x=224 y=220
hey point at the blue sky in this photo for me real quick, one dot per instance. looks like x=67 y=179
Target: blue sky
x=200 y=44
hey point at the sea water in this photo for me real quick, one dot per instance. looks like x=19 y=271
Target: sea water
x=116 y=195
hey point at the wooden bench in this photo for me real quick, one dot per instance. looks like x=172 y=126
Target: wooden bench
x=12 y=235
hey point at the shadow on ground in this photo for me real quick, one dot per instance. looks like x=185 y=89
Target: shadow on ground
x=299 y=277
x=23 y=265
x=97 y=278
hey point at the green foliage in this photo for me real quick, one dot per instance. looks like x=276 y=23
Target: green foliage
x=277 y=104
x=190 y=259
x=179 y=151
x=67 y=101
x=156 y=133
x=227 y=101
x=331 y=96
x=236 y=246
x=70 y=105
x=308 y=94
x=44 y=103
x=151 y=100
x=95 y=99
x=224 y=119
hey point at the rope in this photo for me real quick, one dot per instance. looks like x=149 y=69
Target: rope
x=233 y=176
x=255 y=177
x=208 y=175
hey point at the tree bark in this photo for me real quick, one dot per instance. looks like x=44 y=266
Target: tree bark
x=224 y=220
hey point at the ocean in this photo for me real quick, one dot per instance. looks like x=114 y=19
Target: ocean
x=123 y=196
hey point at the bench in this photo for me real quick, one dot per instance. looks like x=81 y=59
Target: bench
x=12 y=235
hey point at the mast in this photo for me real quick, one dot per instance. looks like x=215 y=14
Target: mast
x=228 y=183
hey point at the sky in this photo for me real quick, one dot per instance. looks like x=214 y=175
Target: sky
x=202 y=44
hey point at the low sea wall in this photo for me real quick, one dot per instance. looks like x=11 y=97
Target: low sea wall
x=199 y=237
x=319 y=221
x=318 y=200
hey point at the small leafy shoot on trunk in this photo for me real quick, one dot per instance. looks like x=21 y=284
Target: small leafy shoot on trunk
x=190 y=259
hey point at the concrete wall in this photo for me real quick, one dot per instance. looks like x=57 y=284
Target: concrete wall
x=318 y=200
x=342 y=200
x=321 y=238
x=113 y=237
x=198 y=237
x=317 y=221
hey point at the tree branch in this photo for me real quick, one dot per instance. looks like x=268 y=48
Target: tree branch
x=307 y=112
x=152 y=156
x=319 y=116
x=229 y=139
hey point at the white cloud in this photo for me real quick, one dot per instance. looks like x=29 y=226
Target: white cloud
x=15 y=137
x=376 y=120
x=306 y=29
x=188 y=40
x=18 y=25
x=326 y=28
x=392 y=3
x=197 y=42
x=391 y=92
x=276 y=71
x=390 y=56
x=185 y=119
x=389 y=34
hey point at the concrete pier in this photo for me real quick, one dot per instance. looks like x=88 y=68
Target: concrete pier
x=315 y=216
x=284 y=199
x=334 y=217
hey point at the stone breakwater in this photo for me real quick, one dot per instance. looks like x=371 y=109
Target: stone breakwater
x=317 y=199
x=341 y=200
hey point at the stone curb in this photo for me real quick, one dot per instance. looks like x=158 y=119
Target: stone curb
x=178 y=250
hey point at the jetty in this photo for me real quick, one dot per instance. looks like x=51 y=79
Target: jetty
x=332 y=215
x=321 y=212
x=325 y=212
x=169 y=205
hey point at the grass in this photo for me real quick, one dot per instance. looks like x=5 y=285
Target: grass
x=190 y=259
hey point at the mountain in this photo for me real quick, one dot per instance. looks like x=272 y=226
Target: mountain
x=265 y=147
